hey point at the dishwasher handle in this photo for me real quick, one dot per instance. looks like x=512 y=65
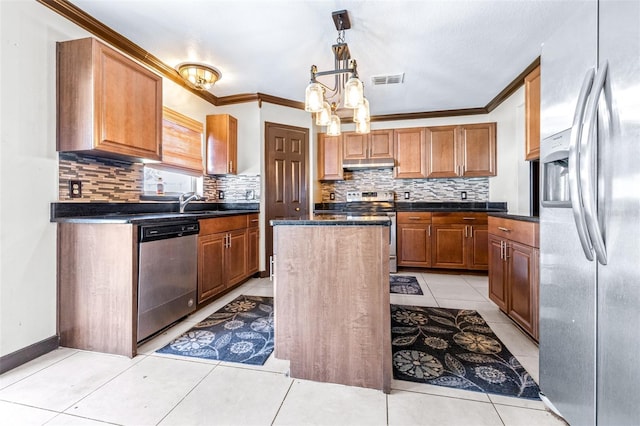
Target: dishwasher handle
x=163 y=231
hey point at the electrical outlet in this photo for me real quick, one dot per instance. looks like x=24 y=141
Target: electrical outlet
x=332 y=195
x=463 y=195
x=75 y=188
x=220 y=195
x=407 y=195
x=250 y=194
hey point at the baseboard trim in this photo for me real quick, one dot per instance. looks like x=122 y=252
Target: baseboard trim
x=31 y=352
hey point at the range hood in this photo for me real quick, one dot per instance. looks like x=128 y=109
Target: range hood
x=369 y=163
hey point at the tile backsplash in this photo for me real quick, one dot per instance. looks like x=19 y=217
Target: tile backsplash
x=118 y=181
x=477 y=189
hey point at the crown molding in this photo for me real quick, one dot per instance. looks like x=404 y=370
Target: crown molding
x=117 y=40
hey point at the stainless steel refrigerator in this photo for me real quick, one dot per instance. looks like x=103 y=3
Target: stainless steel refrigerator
x=590 y=215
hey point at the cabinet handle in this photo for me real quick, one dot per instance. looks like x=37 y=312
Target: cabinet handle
x=230 y=166
x=471 y=231
x=271 y=268
x=229 y=240
x=504 y=229
x=429 y=230
x=501 y=250
x=506 y=251
x=468 y=218
x=254 y=220
x=462 y=170
x=466 y=231
x=414 y=218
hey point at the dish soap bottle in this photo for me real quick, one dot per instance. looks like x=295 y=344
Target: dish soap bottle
x=160 y=187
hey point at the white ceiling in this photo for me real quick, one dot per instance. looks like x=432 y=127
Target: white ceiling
x=455 y=54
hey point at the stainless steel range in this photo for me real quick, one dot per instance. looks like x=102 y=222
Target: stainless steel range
x=375 y=203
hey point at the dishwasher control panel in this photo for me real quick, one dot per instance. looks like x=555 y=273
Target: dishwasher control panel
x=168 y=230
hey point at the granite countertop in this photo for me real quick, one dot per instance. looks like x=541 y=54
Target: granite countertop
x=138 y=213
x=523 y=218
x=334 y=220
x=431 y=206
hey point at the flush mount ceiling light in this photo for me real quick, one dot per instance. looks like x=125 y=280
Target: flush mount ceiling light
x=347 y=89
x=200 y=76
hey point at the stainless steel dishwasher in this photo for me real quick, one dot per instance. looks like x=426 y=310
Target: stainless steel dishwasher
x=167 y=274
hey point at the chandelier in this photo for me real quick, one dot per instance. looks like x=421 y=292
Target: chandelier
x=347 y=89
x=200 y=76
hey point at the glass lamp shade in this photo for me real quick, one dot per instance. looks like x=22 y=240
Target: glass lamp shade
x=324 y=116
x=200 y=76
x=361 y=112
x=314 y=97
x=363 y=127
x=353 y=93
x=333 y=129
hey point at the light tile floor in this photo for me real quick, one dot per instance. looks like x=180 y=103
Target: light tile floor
x=72 y=387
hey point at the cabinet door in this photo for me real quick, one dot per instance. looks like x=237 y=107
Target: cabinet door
x=381 y=144
x=236 y=256
x=211 y=275
x=414 y=245
x=222 y=144
x=410 y=153
x=478 y=240
x=253 y=251
x=442 y=152
x=532 y=114
x=521 y=278
x=329 y=157
x=497 y=273
x=477 y=155
x=355 y=146
x=181 y=142
x=449 y=248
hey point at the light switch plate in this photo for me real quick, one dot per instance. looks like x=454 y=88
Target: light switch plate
x=463 y=195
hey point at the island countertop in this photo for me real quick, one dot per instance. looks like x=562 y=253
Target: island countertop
x=333 y=220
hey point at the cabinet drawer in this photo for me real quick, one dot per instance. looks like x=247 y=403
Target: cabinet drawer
x=222 y=224
x=253 y=220
x=515 y=230
x=414 y=217
x=462 y=218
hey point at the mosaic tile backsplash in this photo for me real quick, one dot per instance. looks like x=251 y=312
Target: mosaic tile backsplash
x=116 y=181
x=420 y=189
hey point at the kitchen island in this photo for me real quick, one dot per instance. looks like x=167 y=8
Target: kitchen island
x=331 y=297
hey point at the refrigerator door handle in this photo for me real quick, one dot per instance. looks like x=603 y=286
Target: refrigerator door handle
x=575 y=192
x=589 y=151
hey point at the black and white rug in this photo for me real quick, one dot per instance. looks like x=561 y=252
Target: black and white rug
x=404 y=285
x=454 y=348
x=241 y=331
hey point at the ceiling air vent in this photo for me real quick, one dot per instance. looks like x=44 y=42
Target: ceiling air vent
x=387 y=79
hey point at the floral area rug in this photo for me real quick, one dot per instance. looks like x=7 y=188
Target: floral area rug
x=454 y=348
x=241 y=331
x=404 y=285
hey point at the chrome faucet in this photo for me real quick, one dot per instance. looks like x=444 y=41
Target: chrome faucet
x=190 y=196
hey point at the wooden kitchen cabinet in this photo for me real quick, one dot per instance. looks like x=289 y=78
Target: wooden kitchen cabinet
x=410 y=153
x=107 y=104
x=532 y=114
x=226 y=247
x=330 y=157
x=414 y=239
x=459 y=241
x=181 y=142
x=222 y=144
x=461 y=151
x=376 y=144
x=514 y=270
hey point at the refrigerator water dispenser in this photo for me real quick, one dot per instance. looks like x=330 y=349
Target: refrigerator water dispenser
x=555 y=171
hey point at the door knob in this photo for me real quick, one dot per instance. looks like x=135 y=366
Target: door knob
x=297 y=209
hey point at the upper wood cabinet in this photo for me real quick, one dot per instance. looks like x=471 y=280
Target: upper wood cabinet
x=461 y=151
x=107 y=104
x=181 y=142
x=477 y=155
x=410 y=153
x=330 y=157
x=376 y=144
x=532 y=114
x=222 y=144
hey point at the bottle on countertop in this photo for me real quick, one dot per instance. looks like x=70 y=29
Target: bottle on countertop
x=160 y=187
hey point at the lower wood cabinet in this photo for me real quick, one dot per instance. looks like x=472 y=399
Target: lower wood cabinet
x=514 y=270
x=227 y=253
x=455 y=240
